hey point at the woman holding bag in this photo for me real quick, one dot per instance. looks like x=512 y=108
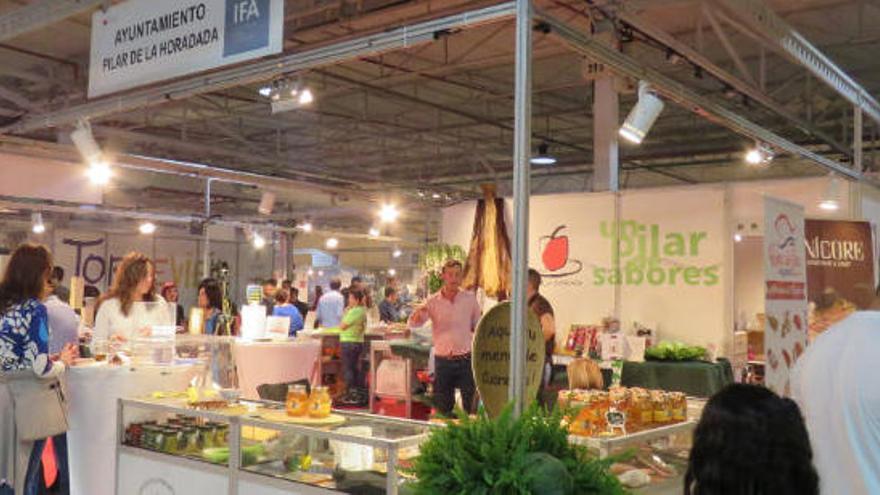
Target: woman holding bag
x=27 y=374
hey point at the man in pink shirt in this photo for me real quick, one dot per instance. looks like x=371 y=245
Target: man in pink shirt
x=454 y=315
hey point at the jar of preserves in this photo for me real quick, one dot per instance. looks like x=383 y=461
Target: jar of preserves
x=189 y=440
x=297 y=403
x=642 y=408
x=148 y=441
x=319 y=402
x=662 y=409
x=170 y=440
x=206 y=437
x=678 y=401
x=599 y=408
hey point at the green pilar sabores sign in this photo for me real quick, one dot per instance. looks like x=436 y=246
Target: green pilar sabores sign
x=491 y=358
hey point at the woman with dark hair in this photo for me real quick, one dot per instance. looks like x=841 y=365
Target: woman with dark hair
x=750 y=441
x=211 y=303
x=121 y=313
x=24 y=354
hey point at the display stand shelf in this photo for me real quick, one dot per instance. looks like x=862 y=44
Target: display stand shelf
x=389 y=439
x=605 y=445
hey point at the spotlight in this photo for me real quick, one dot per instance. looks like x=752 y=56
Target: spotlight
x=85 y=143
x=286 y=95
x=388 y=213
x=331 y=243
x=829 y=205
x=321 y=273
x=737 y=237
x=306 y=226
x=267 y=203
x=421 y=193
x=543 y=158
x=392 y=272
x=374 y=232
x=642 y=116
x=397 y=253
x=831 y=200
x=435 y=196
x=99 y=173
x=310 y=272
x=761 y=154
x=147 y=228
x=38 y=227
x=259 y=241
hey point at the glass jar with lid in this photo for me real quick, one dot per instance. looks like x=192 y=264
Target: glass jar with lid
x=297 y=403
x=320 y=402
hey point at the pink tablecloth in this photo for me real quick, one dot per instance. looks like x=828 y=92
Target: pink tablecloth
x=274 y=362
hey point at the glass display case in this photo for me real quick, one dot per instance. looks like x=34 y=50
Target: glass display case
x=256 y=448
x=652 y=461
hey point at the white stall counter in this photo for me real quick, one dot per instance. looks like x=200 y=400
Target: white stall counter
x=92 y=392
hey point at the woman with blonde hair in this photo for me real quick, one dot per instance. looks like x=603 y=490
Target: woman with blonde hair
x=121 y=313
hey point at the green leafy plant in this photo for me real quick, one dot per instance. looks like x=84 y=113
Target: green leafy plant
x=516 y=456
x=675 y=351
x=432 y=259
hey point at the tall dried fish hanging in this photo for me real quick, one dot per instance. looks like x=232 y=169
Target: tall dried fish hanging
x=488 y=262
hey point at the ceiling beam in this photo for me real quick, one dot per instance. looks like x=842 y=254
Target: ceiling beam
x=40 y=14
x=782 y=36
x=699 y=104
x=267 y=69
x=19 y=99
x=649 y=29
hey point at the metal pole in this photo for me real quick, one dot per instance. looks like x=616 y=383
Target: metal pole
x=857 y=139
x=206 y=249
x=522 y=137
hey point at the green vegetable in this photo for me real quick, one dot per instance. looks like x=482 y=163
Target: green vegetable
x=547 y=475
x=675 y=351
x=217 y=455
x=250 y=454
x=483 y=456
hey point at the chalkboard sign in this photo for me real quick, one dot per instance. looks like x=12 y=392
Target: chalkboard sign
x=491 y=358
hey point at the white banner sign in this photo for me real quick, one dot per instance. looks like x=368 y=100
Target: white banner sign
x=785 y=295
x=143 y=41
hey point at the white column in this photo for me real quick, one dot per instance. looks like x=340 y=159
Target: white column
x=605 y=124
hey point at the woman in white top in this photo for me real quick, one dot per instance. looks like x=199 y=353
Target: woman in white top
x=121 y=313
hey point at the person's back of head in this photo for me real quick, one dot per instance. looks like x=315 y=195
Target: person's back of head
x=389 y=291
x=27 y=275
x=750 y=441
x=282 y=296
x=58 y=274
x=335 y=284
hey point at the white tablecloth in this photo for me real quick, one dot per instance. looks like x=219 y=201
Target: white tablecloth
x=92 y=393
x=275 y=362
